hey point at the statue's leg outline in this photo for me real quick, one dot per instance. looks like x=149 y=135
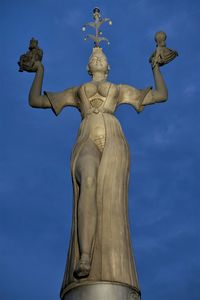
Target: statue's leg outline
x=86 y=171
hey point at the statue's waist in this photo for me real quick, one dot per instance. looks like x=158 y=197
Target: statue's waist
x=96 y=111
x=100 y=125
x=96 y=125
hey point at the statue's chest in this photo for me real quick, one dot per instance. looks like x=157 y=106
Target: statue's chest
x=97 y=95
x=101 y=89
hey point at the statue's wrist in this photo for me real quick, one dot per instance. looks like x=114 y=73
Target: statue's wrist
x=40 y=67
x=155 y=67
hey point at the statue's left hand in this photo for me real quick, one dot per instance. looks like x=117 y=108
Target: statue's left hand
x=31 y=67
x=154 y=61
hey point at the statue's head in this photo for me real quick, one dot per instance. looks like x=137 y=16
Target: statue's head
x=160 y=38
x=98 y=62
x=33 y=44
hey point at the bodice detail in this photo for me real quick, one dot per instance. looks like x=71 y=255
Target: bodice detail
x=97 y=98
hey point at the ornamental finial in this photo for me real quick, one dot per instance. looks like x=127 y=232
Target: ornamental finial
x=98 y=21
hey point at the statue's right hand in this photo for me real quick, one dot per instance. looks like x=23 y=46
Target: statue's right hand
x=32 y=68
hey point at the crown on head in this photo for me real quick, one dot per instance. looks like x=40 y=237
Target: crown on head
x=98 y=21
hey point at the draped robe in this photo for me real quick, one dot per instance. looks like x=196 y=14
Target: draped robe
x=112 y=254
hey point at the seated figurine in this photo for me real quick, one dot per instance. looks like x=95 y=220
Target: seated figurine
x=162 y=55
x=28 y=59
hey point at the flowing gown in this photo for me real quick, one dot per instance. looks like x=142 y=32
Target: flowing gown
x=112 y=255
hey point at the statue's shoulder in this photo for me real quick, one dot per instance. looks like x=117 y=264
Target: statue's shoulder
x=84 y=87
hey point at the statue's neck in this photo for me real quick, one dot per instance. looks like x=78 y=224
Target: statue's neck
x=98 y=76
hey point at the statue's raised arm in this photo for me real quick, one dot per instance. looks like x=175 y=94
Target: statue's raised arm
x=32 y=62
x=140 y=98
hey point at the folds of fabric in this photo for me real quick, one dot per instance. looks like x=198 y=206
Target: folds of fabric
x=112 y=255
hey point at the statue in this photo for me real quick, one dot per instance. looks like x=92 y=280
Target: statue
x=26 y=61
x=100 y=248
x=161 y=55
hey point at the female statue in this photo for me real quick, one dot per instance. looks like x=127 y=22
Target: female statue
x=100 y=246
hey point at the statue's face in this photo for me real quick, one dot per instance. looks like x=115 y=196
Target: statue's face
x=160 y=38
x=33 y=44
x=98 y=63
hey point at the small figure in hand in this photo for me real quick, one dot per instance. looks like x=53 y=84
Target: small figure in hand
x=162 y=55
x=27 y=61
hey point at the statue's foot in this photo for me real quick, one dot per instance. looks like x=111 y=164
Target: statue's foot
x=83 y=267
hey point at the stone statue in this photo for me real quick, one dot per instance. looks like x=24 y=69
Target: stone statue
x=27 y=61
x=161 y=55
x=100 y=249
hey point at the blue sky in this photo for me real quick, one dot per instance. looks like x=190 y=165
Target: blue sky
x=35 y=182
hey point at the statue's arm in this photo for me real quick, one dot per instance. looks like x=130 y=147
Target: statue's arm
x=56 y=101
x=37 y=100
x=139 y=98
x=160 y=93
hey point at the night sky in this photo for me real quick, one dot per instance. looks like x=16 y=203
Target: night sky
x=35 y=182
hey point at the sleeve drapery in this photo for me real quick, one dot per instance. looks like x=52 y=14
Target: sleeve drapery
x=133 y=96
x=60 y=100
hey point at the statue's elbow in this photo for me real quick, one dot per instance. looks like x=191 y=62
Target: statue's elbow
x=31 y=102
x=163 y=97
x=31 y=99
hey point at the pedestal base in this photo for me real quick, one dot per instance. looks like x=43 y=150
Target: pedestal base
x=102 y=291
